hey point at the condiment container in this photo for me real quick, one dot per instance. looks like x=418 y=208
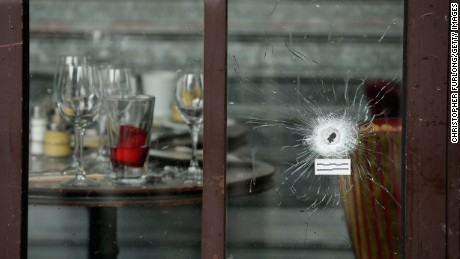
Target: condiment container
x=37 y=130
x=57 y=137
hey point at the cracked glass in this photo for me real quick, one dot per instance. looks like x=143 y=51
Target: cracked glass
x=314 y=129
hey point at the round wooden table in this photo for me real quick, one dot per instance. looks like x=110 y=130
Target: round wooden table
x=46 y=188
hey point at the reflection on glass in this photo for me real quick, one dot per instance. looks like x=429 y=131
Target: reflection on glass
x=316 y=82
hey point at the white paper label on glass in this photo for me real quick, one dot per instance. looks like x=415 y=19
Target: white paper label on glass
x=332 y=167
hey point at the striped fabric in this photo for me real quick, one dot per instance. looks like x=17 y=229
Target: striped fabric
x=371 y=196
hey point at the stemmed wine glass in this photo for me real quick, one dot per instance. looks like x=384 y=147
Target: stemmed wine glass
x=115 y=81
x=189 y=100
x=62 y=63
x=78 y=94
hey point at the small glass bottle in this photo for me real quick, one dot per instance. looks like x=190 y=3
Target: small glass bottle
x=57 y=137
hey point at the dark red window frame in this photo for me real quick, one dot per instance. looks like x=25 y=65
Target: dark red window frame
x=432 y=163
x=13 y=129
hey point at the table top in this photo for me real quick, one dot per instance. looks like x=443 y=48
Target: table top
x=170 y=143
x=243 y=178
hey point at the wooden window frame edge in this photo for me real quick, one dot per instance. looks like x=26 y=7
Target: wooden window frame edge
x=432 y=163
x=14 y=135
x=215 y=129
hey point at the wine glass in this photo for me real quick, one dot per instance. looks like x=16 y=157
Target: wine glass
x=189 y=100
x=116 y=81
x=78 y=98
x=62 y=63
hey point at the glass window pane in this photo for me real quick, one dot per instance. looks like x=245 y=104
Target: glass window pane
x=139 y=202
x=314 y=88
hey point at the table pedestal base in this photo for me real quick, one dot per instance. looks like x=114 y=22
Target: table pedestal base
x=103 y=233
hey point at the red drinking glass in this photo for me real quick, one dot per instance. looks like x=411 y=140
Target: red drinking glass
x=129 y=125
